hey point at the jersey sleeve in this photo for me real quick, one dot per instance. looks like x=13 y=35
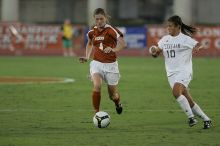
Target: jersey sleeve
x=161 y=42
x=90 y=34
x=115 y=33
x=119 y=32
x=190 y=42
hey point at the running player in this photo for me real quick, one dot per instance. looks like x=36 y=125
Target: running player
x=105 y=41
x=177 y=48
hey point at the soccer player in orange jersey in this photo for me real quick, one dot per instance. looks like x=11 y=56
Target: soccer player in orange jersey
x=105 y=41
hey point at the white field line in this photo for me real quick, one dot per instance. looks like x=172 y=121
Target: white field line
x=56 y=80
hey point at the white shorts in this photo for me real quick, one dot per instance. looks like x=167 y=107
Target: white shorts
x=109 y=71
x=180 y=77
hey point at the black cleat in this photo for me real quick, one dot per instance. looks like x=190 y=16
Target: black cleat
x=119 y=108
x=192 y=121
x=207 y=124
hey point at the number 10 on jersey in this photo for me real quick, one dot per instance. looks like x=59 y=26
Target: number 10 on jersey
x=170 y=53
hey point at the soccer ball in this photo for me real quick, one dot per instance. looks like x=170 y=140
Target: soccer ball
x=101 y=119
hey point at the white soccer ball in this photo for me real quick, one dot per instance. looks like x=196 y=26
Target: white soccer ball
x=101 y=119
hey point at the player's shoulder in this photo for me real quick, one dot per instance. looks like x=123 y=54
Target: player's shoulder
x=186 y=38
x=114 y=30
x=92 y=30
x=165 y=38
x=111 y=28
x=184 y=35
x=108 y=27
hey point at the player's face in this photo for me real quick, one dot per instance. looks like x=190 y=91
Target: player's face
x=100 y=20
x=173 y=30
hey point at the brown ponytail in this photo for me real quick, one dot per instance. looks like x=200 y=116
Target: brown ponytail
x=185 y=29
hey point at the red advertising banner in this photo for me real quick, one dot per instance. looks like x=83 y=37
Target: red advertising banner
x=21 y=39
x=208 y=36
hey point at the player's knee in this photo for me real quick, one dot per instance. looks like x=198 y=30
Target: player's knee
x=97 y=88
x=176 y=93
x=177 y=90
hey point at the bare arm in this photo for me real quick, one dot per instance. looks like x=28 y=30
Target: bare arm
x=88 y=52
x=121 y=44
x=155 y=51
x=88 y=49
x=197 y=47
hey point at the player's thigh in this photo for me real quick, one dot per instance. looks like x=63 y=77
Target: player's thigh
x=96 y=67
x=183 y=78
x=112 y=78
x=97 y=80
x=96 y=72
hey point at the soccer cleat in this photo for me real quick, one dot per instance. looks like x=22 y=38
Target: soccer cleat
x=192 y=121
x=207 y=124
x=119 y=108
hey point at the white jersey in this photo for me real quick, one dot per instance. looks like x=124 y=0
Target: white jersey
x=177 y=52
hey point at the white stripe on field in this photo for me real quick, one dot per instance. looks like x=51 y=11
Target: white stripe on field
x=53 y=81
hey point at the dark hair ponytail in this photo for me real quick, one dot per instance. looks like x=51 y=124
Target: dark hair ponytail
x=185 y=29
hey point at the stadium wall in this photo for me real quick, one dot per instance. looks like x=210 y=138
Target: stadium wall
x=45 y=40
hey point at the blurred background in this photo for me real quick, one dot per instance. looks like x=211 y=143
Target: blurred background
x=36 y=23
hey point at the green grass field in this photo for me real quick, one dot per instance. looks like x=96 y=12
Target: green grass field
x=61 y=114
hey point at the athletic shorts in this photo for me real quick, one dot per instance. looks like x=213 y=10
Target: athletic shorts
x=67 y=43
x=180 y=77
x=108 y=71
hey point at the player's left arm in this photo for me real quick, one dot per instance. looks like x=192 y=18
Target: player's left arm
x=89 y=48
x=121 y=44
x=198 y=47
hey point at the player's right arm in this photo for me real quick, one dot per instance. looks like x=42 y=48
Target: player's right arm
x=155 y=51
x=197 y=47
x=89 y=47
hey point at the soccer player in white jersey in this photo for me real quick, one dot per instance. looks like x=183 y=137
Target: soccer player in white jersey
x=177 y=48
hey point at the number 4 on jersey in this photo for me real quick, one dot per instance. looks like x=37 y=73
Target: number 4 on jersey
x=101 y=46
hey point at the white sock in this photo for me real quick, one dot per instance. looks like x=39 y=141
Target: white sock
x=184 y=104
x=198 y=111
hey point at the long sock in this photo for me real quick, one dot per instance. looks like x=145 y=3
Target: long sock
x=96 y=97
x=198 y=111
x=184 y=104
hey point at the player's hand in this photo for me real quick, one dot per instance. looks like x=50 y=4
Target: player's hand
x=83 y=59
x=153 y=51
x=108 y=50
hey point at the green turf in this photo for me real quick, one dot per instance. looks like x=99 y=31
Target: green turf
x=61 y=114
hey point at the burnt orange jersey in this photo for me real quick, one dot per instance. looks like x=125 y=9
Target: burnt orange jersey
x=102 y=39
